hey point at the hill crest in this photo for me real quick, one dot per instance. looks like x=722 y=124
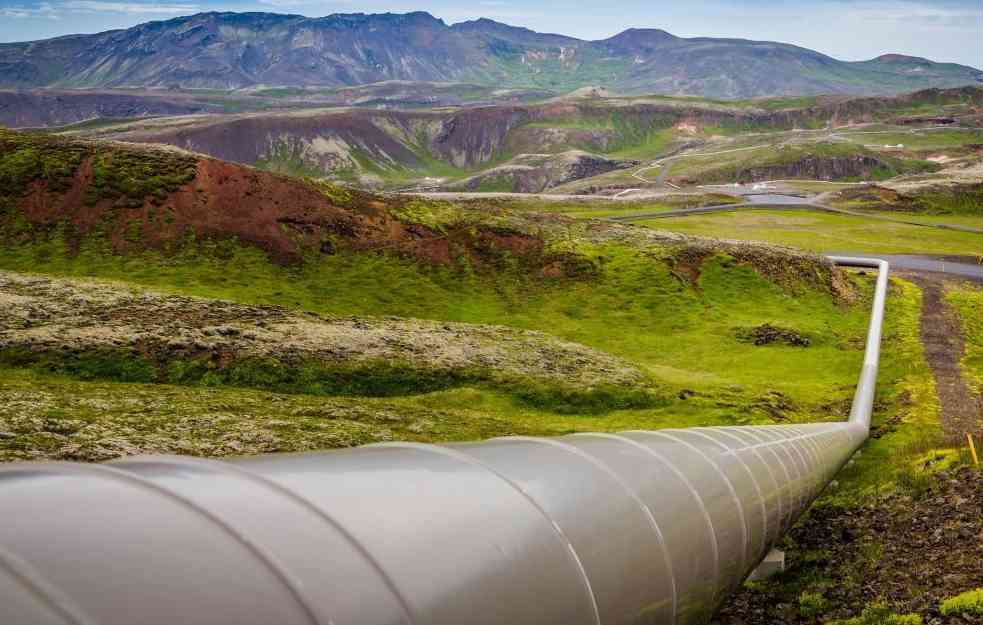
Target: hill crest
x=237 y=50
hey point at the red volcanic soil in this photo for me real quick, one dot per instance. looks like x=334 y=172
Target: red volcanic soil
x=223 y=200
x=289 y=218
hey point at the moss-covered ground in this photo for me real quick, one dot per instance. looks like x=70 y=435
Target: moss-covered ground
x=967 y=301
x=682 y=325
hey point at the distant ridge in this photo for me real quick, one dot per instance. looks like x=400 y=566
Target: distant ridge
x=237 y=50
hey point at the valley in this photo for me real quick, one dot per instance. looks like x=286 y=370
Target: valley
x=222 y=269
x=673 y=311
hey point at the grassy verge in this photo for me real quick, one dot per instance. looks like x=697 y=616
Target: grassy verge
x=906 y=446
x=599 y=207
x=822 y=232
x=967 y=301
x=638 y=308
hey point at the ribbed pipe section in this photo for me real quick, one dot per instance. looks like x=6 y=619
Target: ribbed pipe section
x=650 y=527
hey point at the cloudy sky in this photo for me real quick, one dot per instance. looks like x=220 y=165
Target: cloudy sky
x=944 y=30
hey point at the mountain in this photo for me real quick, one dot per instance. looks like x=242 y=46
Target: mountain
x=240 y=50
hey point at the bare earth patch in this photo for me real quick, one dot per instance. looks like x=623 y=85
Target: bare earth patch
x=907 y=553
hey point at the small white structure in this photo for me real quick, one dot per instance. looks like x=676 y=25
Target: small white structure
x=773 y=564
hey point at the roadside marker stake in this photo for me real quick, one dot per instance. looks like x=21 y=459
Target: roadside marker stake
x=972 y=449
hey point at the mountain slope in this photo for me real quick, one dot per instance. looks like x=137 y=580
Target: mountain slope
x=517 y=146
x=235 y=50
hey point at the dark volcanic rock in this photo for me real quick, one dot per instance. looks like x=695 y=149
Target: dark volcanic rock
x=534 y=173
x=815 y=168
x=36 y=108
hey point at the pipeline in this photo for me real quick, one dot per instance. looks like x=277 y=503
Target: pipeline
x=641 y=527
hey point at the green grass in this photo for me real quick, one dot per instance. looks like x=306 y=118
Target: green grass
x=881 y=614
x=58 y=416
x=730 y=166
x=919 y=139
x=496 y=184
x=125 y=176
x=573 y=123
x=129 y=177
x=967 y=301
x=787 y=103
x=636 y=308
x=635 y=135
x=26 y=158
x=958 y=204
x=905 y=451
x=368 y=378
x=824 y=232
x=953 y=201
x=287 y=159
x=812 y=604
x=645 y=144
x=969 y=221
x=968 y=603
x=600 y=207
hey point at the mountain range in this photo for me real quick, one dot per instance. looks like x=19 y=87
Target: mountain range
x=245 y=50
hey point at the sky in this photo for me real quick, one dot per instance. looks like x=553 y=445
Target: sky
x=942 y=30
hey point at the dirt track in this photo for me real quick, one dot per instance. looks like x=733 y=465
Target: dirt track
x=942 y=339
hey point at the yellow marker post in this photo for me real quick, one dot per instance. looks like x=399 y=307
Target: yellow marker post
x=972 y=449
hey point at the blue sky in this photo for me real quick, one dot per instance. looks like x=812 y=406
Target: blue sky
x=944 y=30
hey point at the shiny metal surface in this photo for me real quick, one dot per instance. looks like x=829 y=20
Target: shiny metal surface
x=642 y=527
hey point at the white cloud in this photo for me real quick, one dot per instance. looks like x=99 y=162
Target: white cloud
x=916 y=15
x=98 y=6
x=42 y=10
x=299 y=3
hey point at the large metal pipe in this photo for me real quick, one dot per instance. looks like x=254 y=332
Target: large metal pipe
x=636 y=527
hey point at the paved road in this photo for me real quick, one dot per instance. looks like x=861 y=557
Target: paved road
x=959 y=266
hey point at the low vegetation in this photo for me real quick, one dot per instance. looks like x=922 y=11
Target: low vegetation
x=814 y=161
x=26 y=158
x=825 y=232
x=881 y=614
x=967 y=301
x=901 y=557
x=969 y=603
x=326 y=317
x=954 y=200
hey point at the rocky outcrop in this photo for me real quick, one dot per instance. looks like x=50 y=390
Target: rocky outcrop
x=39 y=108
x=474 y=136
x=354 y=143
x=534 y=173
x=815 y=168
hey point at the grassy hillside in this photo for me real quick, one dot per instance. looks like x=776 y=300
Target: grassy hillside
x=834 y=138
x=694 y=318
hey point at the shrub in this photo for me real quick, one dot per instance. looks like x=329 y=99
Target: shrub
x=812 y=604
x=970 y=603
x=881 y=614
x=99 y=364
